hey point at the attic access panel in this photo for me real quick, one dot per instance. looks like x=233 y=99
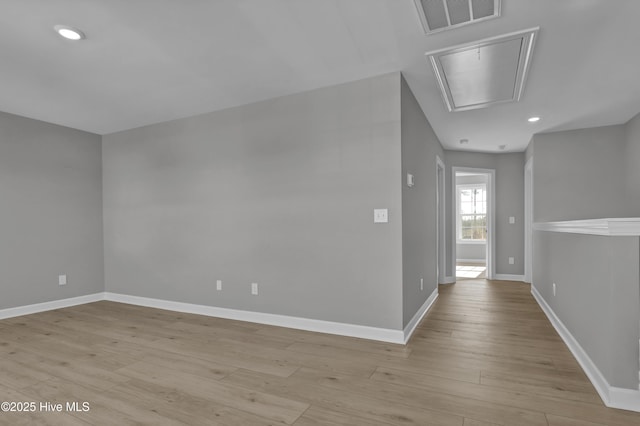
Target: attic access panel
x=439 y=15
x=484 y=73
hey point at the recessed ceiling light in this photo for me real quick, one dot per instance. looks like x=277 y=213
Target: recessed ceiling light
x=463 y=141
x=533 y=119
x=69 y=33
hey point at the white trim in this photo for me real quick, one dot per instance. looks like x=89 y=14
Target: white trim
x=508 y=277
x=618 y=226
x=329 y=327
x=491 y=235
x=626 y=399
x=590 y=369
x=475 y=261
x=491 y=209
x=441 y=219
x=528 y=220
x=49 y=306
x=459 y=188
x=527 y=38
x=411 y=326
x=321 y=326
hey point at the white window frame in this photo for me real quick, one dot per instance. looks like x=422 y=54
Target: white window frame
x=459 y=188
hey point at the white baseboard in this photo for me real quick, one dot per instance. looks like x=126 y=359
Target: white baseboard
x=625 y=399
x=449 y=280
x=321 y=326
x=411 y=327
x=329 y=327
x=49 y=306
x=474 y=261
x=508 y=277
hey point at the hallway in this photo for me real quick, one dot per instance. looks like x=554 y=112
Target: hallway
x=494 y=335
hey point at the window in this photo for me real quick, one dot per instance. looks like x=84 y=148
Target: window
x=472 y=213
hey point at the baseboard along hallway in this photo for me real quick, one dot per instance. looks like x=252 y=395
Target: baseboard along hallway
x=484 y=354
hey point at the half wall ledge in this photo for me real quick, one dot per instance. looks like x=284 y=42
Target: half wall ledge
x=596 y=308
x=616 y=226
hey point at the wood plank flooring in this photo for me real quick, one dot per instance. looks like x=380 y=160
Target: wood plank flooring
x=484 y=355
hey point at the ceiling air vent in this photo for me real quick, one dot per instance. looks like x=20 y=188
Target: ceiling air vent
x=485 y=72
x=438 y=15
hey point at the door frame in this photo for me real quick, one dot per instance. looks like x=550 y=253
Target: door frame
x=491 y=222
x=441 y=241
x=528 y=220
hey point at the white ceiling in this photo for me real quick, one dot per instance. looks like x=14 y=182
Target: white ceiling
x=147 y=61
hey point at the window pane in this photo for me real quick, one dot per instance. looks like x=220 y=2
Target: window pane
x=472 y=210
x=467 y=220
x=466 y=208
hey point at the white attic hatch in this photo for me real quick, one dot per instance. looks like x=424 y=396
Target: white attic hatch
x=484 y=73
x=481 y=73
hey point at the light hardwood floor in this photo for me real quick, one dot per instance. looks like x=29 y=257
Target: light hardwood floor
x=484 y=355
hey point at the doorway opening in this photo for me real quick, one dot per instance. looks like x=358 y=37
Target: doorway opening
x=441 y=249
x=473 y=222
x=528 y=221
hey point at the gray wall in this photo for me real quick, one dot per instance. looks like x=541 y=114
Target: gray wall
x=476 y=252
x=509 y=196
x=582 y=174
x=579 y=174
x=597 y=291
x=420 y=146
x=632 y=165
x=51 y=215
x=280 y=192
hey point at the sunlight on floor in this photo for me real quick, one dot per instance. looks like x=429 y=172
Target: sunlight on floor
x=467 y=271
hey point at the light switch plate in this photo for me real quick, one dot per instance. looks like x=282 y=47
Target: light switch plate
x=512 y=220
x=409 y=180
x=380 y=215
x=62 y=279
x=218 y=285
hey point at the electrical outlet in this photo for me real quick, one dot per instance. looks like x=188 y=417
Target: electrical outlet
x=254 y=289
x=62 y=279
x=421 y=284
x=511 y=261
x=554 y=289
x=218 y=285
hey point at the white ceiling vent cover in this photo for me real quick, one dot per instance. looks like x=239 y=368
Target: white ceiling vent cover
x=485 y=72
x=438 y=15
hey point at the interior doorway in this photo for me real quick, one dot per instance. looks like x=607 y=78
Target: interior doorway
x=528 y=220
x=441 y=243
x=473 y=222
